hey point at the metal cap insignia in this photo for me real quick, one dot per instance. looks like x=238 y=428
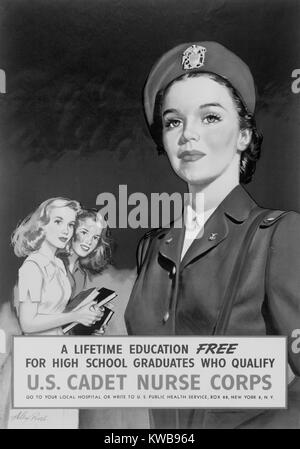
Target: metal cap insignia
x=193 y=57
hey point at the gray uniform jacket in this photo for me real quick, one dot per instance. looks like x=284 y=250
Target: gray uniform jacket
x=174 y=297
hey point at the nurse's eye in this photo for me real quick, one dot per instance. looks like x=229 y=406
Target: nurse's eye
x=57 y=221
x=83 y=232
x=172 y=123
x=96 y=237
x=211 y=118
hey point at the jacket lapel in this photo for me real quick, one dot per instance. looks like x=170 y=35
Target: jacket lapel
x=235 y=207
x=215 y=231
x=171 y=244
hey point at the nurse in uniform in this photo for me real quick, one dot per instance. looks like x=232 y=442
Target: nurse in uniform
x=233 y=267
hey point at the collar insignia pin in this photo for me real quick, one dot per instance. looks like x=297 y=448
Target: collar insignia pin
x=213 y=236
x=169 y=240
x=193 y=57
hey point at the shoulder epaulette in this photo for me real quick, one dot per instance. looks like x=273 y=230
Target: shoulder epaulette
x=272 y=218
x=153 y=233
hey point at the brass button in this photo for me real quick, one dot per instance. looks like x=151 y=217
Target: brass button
x=166 y=317
x=174 y=270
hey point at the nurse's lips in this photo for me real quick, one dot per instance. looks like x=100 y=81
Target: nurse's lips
x=191 y=156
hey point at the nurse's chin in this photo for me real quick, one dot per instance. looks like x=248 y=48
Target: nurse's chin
x=195 y=179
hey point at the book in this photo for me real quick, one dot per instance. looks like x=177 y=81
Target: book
x=99 y=295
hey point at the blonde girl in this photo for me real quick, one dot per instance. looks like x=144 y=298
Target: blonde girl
x=43 y=285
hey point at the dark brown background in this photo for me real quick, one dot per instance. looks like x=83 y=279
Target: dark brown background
x=72 y=121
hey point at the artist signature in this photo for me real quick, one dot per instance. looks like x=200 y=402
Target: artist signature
x=29 y=416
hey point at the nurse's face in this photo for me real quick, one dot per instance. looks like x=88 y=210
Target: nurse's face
x=201 y=132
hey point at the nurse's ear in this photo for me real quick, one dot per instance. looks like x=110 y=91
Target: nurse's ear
x=244 y=139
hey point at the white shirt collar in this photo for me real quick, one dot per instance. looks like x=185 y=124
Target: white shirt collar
x=194 y=220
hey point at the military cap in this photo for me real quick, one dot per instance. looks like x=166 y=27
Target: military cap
x=200 y=57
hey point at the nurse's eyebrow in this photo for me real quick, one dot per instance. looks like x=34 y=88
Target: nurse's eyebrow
x=168 y=111
x=208 y=105
x=202 y=106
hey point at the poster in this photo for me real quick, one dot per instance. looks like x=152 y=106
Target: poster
x=72 y=125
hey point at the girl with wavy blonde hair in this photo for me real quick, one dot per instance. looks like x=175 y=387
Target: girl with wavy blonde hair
x=43 y=285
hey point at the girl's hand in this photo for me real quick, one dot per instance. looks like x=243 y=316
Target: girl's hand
x=88 y=315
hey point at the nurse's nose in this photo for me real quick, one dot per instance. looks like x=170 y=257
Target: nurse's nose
x=190 y=131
